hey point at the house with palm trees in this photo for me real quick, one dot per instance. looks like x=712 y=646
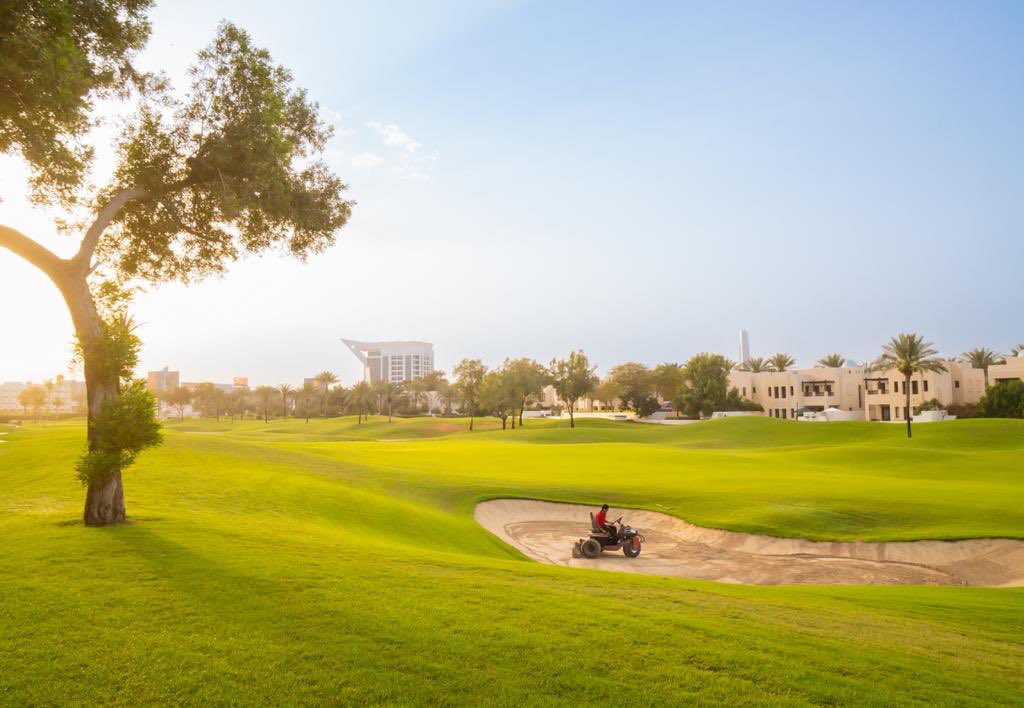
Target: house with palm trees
x=868 y=393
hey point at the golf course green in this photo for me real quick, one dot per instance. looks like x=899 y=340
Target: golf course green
x=336 y=562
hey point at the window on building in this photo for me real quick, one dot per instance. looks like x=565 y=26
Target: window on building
x=926 y=385
x=753 y=389
x=790 y=390
x=785 y=412
x=897 y=411
x=783 y=391
x=913 y=386
x=956 y=384
x=744 y=391
x=895 y=386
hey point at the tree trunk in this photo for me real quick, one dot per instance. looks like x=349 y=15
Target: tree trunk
x=521 y=409
x=572 y=419
x=104 y=502
x=104 y=499
x=906 y=390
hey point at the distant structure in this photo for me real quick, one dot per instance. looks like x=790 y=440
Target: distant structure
x=744 y=346
x=163 y=380
x=393 y=361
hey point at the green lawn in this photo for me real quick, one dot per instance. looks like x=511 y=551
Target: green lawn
x=332 y=562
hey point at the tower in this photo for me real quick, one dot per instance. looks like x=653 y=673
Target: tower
x=744 y=346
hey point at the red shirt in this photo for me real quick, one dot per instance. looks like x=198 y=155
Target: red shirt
x=600 y=518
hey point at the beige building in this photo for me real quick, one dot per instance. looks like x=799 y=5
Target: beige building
x=1012 y=369
x=876 y=395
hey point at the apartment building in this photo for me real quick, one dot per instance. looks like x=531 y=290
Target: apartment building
x=876 y=395
x=393 y=361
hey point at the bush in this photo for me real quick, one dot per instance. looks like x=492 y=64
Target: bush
x=932 y=405
x=1003 y=400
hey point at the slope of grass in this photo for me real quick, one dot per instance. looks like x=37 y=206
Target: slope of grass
x=296 y=563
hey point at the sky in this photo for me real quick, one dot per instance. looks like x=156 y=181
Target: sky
x=639 y=180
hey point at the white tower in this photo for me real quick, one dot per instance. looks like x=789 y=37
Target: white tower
x=744 y=346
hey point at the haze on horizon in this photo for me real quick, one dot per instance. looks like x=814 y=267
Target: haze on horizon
x=640 y=181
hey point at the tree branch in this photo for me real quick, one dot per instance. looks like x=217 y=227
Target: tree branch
x=35 y=253
x=83 y=259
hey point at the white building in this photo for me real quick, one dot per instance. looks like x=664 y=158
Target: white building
x=393 y=361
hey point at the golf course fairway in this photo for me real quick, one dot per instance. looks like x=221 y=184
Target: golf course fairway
x=333 y=562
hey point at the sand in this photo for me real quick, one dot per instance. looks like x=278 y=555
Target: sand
x=546 y=532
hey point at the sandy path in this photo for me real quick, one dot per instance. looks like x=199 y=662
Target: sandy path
x=546 y=532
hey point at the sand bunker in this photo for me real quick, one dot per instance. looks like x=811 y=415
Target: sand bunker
x=546 y=531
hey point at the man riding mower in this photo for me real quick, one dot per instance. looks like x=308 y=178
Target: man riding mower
x=605 y=536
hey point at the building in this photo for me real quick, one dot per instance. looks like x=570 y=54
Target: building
x=66 y=397
x=744 y=346
x=875 y=394
x=393 y=361
x=163 y=380
x=1012 y=369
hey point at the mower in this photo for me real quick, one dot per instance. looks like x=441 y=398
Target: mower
x=626 y=537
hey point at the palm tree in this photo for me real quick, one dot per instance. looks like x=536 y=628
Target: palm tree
x=286 y=392
x=324 y=380
x=982 y=358
x=780 y=362
x=387 y=393
x=831 y=361
x=755 y=365
x=1017 y=350
x=909 y=354
x=361 y=397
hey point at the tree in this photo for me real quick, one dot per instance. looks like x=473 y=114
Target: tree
x=469 y=376
x=208 y=399
x=525 y=378
x=230 y=169
x=495 y=395
x=909 y=354
x=306 y=395
x=178 y=398
x=33 y=397
x=264 y=395
x=705 y=385
x=361 y=397
x=1017 y=350
x=573 y=379
x=1004 y=400
x=631 y=383
x=982 y=358
x=433 y=383
x=387 y=394
x=236 y=400
x=831 y=361
x=667 y=379
x=781 y=362
x=324 y=380
x=755 y=365
x=48 y=385
x=287 y=393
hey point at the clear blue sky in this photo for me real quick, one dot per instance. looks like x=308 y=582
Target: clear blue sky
x=637 y=179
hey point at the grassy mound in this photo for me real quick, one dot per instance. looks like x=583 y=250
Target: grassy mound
x=331 y=561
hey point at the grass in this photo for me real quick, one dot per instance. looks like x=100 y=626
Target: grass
x=336 y=562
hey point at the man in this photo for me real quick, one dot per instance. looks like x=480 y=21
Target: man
x=602 y=522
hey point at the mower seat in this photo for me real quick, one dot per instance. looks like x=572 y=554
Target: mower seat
x=593 y=525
